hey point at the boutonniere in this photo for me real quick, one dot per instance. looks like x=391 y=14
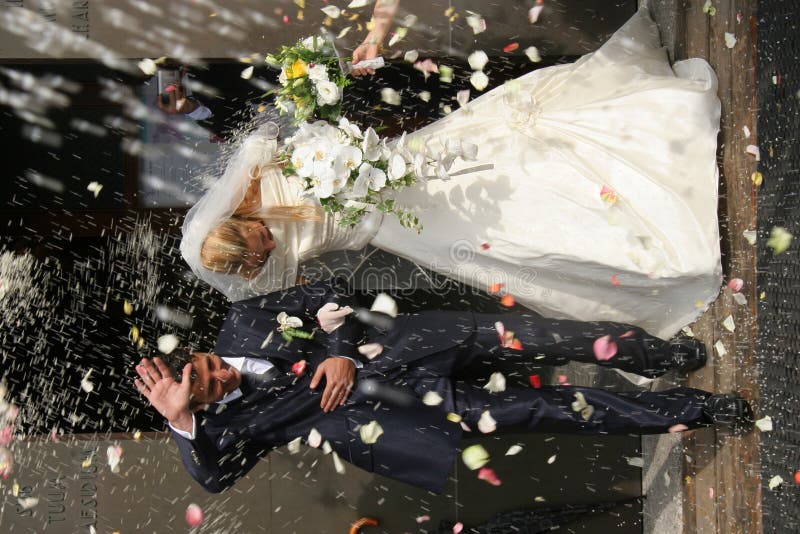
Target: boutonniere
x=289 y=327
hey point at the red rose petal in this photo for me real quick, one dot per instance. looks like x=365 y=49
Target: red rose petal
x=286 y=19
x=614 y=280
x=298 y=368
x=535 y=381
x=507 y=300
x=484 y=246
x=510 y=47
x=515 y=344
x=797 y=477
x=489 y=476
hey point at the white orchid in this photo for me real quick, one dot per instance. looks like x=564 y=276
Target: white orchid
x=323 y=181
x=303 y=160
x=397 y=167
x=375 y=177
x=371 y=145
x=327 y=93
x=314 y=43
x=351 y=128
x=318 y=73
x=348 y=158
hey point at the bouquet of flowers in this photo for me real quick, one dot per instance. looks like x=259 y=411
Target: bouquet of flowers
x=311 y=79
x=352 y=173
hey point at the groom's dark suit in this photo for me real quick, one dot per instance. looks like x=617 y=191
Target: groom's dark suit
x=424 y=352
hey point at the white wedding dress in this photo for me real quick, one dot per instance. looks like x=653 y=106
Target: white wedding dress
x=621 y=119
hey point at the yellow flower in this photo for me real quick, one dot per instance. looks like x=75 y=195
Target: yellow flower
x=297 y=69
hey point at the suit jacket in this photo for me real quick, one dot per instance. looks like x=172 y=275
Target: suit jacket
x=419 y=443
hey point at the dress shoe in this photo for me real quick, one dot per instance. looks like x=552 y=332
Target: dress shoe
x=729 y=410
x=687 y=353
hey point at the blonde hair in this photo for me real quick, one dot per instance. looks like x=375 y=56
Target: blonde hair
x=225 y=247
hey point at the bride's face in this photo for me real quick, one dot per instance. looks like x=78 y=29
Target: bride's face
x=259 y=244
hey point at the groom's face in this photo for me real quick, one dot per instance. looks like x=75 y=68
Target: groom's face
x=212 y=378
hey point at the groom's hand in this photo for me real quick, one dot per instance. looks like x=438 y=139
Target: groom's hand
x=166 y=394
x=339 y=374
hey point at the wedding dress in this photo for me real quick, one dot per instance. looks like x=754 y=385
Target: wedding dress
x=600 y=203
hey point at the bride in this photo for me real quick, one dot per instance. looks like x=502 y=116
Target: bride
x=601 y=201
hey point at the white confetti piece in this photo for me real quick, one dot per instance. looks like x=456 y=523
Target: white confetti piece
x=114 y=457
x=535 y=12
x=728 y=324
x=635 y=461
x=479 y=80
x=94 y=187
x=538 y=498
x=247 y=73
x=314 y=438
x=775 y=481
x=411 y=56
x=167 y=343
x=326 y=447
x=358 y=3
x=720 y=348
x=579 y=403
x=294 y=445
x=27 y=503
x=332 y=11
x=462 y=97
x=746 y=131
x=86 y=384
x=148 y=66
x=432 y=398
x=730 y=40
x=344 y=32
x=390 y=96
x=750 y=236
x=477 y=60
x=370 y=432
x=425 y=96
x=551 y=460
x=496 y=383
x=740 y=299
x=476 y=22
x=399 y=33
x=371 y=350
x=513 y=450
x=383 y=303
x=475 y=457
x=533 y=54
x=487 y=424
x=688 y=331
x=764 y=424
x=753 y=151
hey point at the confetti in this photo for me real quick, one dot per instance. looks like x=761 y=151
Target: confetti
x=127 y=308
x=425 y=96
x=453 y=417
x=194 y=515
x=370 y=432
x=764 y=424
x=114 y=457
x=423 y=518
x=513 y=450
x=431 y=398
x=94 y=187
x=385 y=304
x=496 y=383
x=507 y=300
x=495 y=288
x=487 y=424
x=314 y=438
x=677 y=428
x=27 y=502
x=7 y=463
x=533 y=54
x=614 y=280
x=635 y=461
x=426 y=67
x=551 y=460
x=757 y=178
x=746 y=132
x=458 y=527
x=736 y=284
x=294 y=446
x=445 y=74
x=475 y=457
x=247 y=73
x=750 y=236
x=604 y=348
x=299 y=368
x=797 y=477
x=167 y=343
x=779 y=240
x=331 y=11
x=730 y=40
x=487 y=474
x=709 y=9
x=720 y=348
x=6 y=435
x=344 y=32
x=390 y=96
x=535 y=381
x=728 y=324
x=371 y=350
x=411 y=56
x=148 y=66
x=510 y=47
x=399 y=33
x=775 y=481
x=358 y=3
x=740 y=299
x=608 y=195
x=534 y=13
x=462 y=97
x=477 y=60
x=86 y=384
x=753 y=151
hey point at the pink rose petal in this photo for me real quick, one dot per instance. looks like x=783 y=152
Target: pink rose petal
x=629 y=333
x=604 y=348
x=6 y=435
x=677 y=428
x=736 y=284
x=458 y=527
x=194 y=515
x=488 y=474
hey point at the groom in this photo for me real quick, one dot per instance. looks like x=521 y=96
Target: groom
x=259 y=389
